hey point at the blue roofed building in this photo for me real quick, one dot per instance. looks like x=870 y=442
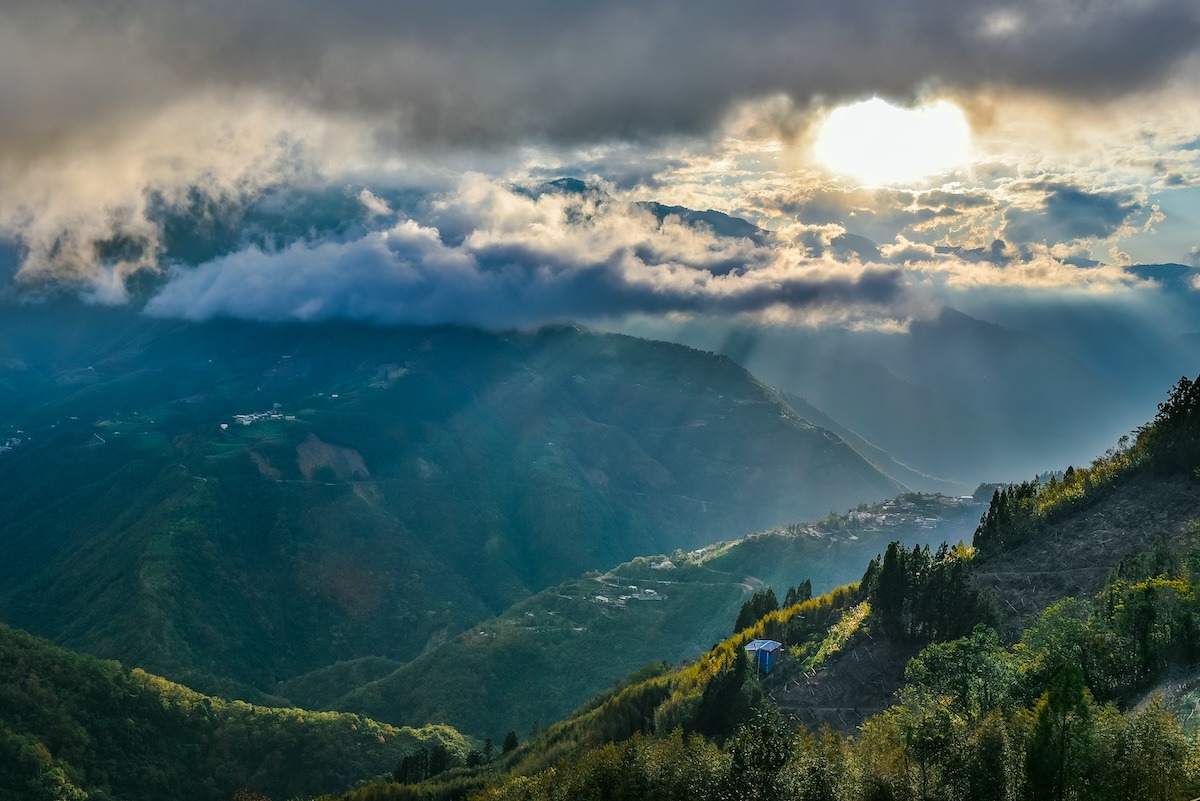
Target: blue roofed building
x=765 y=654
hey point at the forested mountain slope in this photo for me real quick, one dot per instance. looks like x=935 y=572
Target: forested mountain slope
x=74 y=727
x=234 y=505
x=1056 y=710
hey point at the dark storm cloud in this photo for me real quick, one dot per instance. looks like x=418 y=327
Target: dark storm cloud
x=1068 y=213
x=477 y=71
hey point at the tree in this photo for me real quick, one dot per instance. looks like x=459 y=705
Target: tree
x=890 y=588
x=928 y=731
x=1158 y=751
x=974 y=672
x=761 y=604
x=799 y=594
x=985 y=763
x=510 y=743
x=804 y=591
x=420 y=765
x=1173 y=438
x=723 y=706
x=758 y=753
x=1055 y=758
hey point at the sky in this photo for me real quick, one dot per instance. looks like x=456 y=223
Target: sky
x=392 y=162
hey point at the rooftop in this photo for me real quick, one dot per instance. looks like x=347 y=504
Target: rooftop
x=763 y=645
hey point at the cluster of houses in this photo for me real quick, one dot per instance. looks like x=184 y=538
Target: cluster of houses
x=635 y=594
x=904 y=512
x=255 y=417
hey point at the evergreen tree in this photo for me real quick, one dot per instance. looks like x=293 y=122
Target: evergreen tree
x=799 y=594
x=1056 y=756
x=804 y=591
x=890 y=589
x=723 y=706
x=761 y=604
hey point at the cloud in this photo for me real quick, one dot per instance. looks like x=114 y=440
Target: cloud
x=1068 y=213
x=113 y=114
x=469 y=71
x=1036 y=267
x=89 y=212
x=494 y=255
x=517 y=260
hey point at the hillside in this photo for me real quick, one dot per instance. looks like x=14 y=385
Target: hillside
x=547 y=655
x=972 y=718
x=909 y=659
x=1061 y=540
x=235 y=505
x=74 y=727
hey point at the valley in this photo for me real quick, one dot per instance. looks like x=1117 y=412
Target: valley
x=235 y=505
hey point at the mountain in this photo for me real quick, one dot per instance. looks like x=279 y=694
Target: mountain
x=235 y=505
x=718 y=222
x=941 y=703
x=75 y=727
x=878 y=456
x=967 y=400
x=547 y=655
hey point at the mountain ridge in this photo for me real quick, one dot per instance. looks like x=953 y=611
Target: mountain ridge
x=189 y=498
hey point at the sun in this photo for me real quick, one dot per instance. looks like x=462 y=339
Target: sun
x=884 y=145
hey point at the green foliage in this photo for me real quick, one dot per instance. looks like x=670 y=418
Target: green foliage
x=798 y=594
x=1011 y=517
x=724 y=704
x=673 y=768
x=757 y=756
x=1172 y=441
x=74 y=727
x=1125 y=638
x=974 y=673
x=422 y=764
x=761 y=604
x=1057 y=757
x=547 y=655
x=920 y=596
x=808 y=622
x=1169 y=444
x=975 y=719
x=812 y=655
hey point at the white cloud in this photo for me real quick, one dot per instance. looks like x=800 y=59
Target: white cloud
x=85 y=211
x=524 y=261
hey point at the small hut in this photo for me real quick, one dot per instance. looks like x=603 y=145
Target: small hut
x=765 y=654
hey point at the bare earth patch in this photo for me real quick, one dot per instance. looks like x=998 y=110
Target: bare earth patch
x=313 y=454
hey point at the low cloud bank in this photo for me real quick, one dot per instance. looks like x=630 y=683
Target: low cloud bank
x=493 y=257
